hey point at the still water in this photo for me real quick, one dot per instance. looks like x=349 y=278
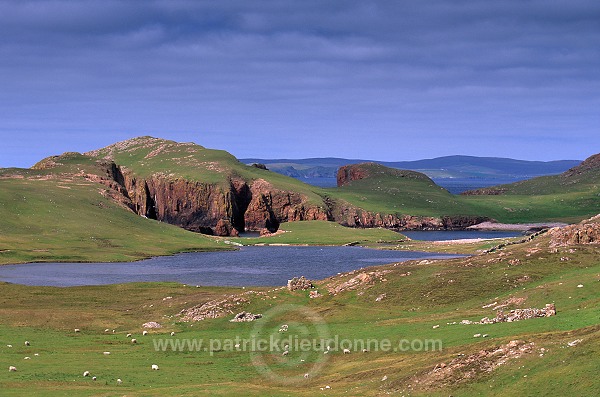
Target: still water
x=250 y=266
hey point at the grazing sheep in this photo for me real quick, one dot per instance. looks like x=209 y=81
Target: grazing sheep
x=172 y=333
x=285 y=353
x=86 y=373
x=107 y=330
x=155 y=367
x=94 y=378
x=128 y=336
x=36 y=354
x=306 y=375
x=106 y=353
x=145 y=333
x=27 y=358
x=134 y=340
x=286 y=347
x=27 y=343
x=12 y=369
x=119 y=381
x=346 y=351
x=365 y=351
x=77 y=330
x=8 y=345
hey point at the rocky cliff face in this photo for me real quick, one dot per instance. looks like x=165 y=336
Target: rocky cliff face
x=208 y=208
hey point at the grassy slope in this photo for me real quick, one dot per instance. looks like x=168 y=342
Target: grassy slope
x=52 y=220
x=434 y=293
x=568 y=197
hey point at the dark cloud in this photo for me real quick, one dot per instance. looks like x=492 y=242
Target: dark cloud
x=288 y=78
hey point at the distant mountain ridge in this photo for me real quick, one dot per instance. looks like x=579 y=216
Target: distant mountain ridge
x=457 y=166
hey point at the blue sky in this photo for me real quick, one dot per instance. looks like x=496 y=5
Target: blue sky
x=383 y=80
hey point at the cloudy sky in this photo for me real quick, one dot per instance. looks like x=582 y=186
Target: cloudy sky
x=383 y=80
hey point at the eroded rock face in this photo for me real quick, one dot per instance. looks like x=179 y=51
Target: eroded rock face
x=208 y=208
x=349 y=173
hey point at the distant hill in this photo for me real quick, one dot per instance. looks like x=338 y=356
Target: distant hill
x=446 y=171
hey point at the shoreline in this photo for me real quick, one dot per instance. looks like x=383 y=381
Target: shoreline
x=521 y=227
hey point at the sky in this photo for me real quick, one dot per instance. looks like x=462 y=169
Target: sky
x=383 y=80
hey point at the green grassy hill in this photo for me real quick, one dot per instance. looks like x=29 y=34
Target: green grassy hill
x=569 y=197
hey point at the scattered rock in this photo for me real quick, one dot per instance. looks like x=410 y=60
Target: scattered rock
x=245 y=317
x=214 y=308
x=362 y=280
x=314 y=294
x=380 y=297
x=151 y=324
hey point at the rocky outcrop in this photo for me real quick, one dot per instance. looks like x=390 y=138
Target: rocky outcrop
x=585 y=232
x=520 y=314
x=299 y=283
x=349 y=173
x=245 y=317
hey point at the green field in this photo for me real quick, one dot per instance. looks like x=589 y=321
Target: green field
x=70 y=221
x=419 y=296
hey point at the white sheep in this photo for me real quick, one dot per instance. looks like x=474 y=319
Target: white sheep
x=106 y=353
x=285 y=353
x=128 y=336
x=77 y=330
x=365 y=351
x=306 y=375
x=145 y=333
x=27 y=358
x=119 y=381
x=346 y=351
x=36 y=354
x=172 y=333
x=107 y=330
x=86 y=373
x=27 y=343
x=12 y=369
x=134 y=340
x=155 y=367
x=94 y=378
x=8 y=345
